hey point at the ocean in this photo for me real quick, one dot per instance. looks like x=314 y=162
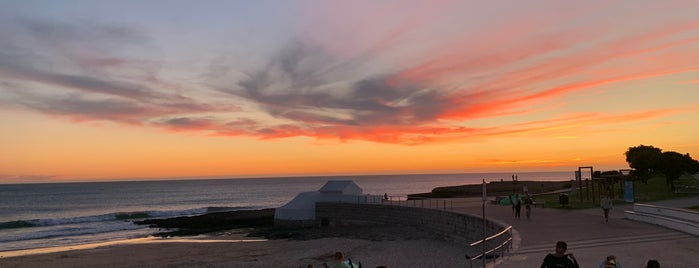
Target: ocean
x=64 y=214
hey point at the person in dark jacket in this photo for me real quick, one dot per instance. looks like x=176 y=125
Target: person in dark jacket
x=560 y=259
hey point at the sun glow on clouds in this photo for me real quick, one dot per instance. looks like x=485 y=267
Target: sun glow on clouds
x=422 y=74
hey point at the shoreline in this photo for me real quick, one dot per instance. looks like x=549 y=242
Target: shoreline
x=127 y=242
x=217 y=230
x=399 y=247
x=262 y=220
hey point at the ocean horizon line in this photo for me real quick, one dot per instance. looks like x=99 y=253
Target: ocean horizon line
x=246 y=177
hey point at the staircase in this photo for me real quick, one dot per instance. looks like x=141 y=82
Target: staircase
x=679 y=219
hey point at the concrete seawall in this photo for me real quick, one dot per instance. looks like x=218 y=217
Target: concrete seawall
x=453 y=226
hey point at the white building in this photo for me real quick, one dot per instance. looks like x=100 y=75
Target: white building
x=301 y=209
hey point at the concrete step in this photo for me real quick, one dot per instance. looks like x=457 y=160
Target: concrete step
x=679 y=219
x=602 y=242
x=678 y=213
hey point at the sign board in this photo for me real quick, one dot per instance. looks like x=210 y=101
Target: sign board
x=628 y=191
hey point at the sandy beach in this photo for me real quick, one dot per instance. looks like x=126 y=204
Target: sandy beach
x=393 y=247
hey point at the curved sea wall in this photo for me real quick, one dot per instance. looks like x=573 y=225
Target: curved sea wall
x=448 y=224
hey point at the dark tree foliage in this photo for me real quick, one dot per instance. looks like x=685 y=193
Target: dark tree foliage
x=647 y=160
x=692 y=164
x=672 y=165
x=643 y=160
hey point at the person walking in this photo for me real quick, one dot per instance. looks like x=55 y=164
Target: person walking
x=528 y=202
x=518 y=206
x=606 y=204
x=560 y=259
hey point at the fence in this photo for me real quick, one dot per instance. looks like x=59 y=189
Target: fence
x=442 y=204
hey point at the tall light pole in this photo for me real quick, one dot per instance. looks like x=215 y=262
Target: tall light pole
x=484 y=229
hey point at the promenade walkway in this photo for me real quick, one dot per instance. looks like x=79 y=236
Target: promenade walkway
x=589 y=237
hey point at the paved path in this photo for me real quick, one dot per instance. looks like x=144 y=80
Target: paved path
x=590 y=238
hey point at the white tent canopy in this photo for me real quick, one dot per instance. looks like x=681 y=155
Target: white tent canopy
x=341 y=187
x=303 y=206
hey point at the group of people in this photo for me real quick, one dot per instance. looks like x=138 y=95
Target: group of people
x=516 y=201
x=561 y=259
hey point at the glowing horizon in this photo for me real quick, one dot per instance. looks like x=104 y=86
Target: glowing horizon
x=107 y=90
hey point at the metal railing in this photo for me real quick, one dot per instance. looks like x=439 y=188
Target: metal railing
x=505 y=245
x=447 y=204
x=443 y=204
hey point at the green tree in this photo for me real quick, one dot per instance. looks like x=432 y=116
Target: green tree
x=648 y=160
x=643 y=159
x=672 y=165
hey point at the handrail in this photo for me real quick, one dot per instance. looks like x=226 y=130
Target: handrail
x=493 y=249
x=484 y=254
x=492 y=236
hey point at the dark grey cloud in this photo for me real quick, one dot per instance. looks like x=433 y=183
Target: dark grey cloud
x=301 y=84
x=187 y=123
x=77 y=105
x=75 y=63
x=312 y=89
x=83 y=83
x=85 y=33
x=40 y=46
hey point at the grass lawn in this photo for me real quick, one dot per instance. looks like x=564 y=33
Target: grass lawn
x=654 y=190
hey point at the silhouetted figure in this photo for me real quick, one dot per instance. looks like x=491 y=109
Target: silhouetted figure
x=528 y=206
x=606 y=203
x=610 y=262
x=560 y=259
x=339 y=262
x=518 y=206
x=653 y=264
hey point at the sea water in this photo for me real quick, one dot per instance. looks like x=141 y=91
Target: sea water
x=63 y=214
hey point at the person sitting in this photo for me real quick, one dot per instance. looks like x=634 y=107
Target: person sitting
x=653 y=264
x=560 y=259
x=339 y=262
x=610 y=262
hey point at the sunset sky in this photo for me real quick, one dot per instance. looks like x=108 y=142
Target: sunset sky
x=110 y=90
